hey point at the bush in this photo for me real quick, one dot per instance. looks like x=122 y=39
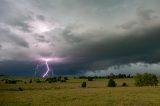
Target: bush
x=10 y=81
x=20 y=89
x=30 y=81
x=63 y=80
x=84 y=84
x=146 y=79
x=38 y=80
x=111 y=83
x=50 y=80
x=124 y=84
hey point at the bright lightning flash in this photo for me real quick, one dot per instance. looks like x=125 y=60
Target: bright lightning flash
x=45 y=61
x=47 y=66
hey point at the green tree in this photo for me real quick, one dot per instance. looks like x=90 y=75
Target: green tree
x=84 y=84
x=146 y=79
x=111 y=83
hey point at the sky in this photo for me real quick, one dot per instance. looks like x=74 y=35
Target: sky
x=83 y=37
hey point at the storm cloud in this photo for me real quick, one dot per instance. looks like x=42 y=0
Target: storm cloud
x=91 y=36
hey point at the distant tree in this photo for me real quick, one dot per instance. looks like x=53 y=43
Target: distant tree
x=90 y=78
x=19 y=80
x=65 y=78
x=83 y=77
x=112 y=76
x=124 y=84
x=84 y=84
x=95 y=77
x=74 y=77
x=146 y=79
x=128 y=76
x=59 y=78
x=10 y=81
x=111 y=83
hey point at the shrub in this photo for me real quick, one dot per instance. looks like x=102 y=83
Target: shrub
x=124 y=84
x=65 y=78
x=10 y=81
x=84 y=84
x=30 y=81
x=38 y=80
x=50 y=80
x=111 y=83
x=20 y=89
x=146 y=79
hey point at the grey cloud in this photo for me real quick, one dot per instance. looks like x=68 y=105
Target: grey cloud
x=144 y=17
x=20 y=24
x=41 y=38
x=8 y=11
x=69 y=36
x=145 y=14
x=41 y=17
x=128 y=25
x=8 y=37
x=0 y=46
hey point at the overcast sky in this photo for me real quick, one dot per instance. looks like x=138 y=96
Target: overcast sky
x=91 y=37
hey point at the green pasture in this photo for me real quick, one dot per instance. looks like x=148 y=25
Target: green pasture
x=70 y=93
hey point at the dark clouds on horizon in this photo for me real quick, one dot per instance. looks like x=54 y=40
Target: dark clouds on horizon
x=92 y=36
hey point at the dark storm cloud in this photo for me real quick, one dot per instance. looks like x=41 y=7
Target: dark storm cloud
x=138 y=45
x=138 y=42
x=99 y=49
x=89 y=34
x=17 y=68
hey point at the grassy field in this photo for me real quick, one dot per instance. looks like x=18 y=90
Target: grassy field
x=70 y=93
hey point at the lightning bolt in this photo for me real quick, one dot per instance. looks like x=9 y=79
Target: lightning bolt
x=45 y=62
x=47 y=66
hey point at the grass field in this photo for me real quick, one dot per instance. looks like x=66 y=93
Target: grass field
x=70 y=93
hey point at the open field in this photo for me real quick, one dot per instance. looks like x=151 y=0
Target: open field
x=70 y=93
